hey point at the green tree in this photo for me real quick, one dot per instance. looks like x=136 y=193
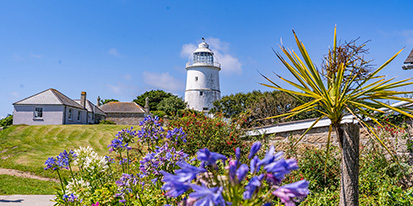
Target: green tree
x=154 y=98
x=7 y=121
x=171 y=105
x=343 y=91
x=102 y=102
x=256 y=106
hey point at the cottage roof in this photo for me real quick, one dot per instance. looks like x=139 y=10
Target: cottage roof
x=49 y=97
x=122 y=107
x=409 y=59
x=90 y=107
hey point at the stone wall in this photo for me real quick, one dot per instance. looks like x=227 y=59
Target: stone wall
x=125 y=118
x=317 y=138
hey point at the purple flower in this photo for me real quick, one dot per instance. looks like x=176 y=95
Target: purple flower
x=253 y=164
x=209 y=158
x=232 y=170
x=187 y=168
x=242 y=172
x=207 y=196
x=69 y=198
x=289 y=193
x=238 y=153
x=253 y=184
x=51 y=163
x=176 y=185
x=254 y=149
x=279 y=169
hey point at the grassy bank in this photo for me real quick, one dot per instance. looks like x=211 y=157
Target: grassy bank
x=26 y=148
x=10 y=185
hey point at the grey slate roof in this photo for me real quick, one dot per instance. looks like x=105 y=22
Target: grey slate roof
x=409 y=59
x=90 y=106
x=122 y=107
x=49 y=97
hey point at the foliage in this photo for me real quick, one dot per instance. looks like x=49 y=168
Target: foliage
x=102 y=102
x=259 y=106
x=157 y=113
x=25 y=147
x=154 y=98
x=106 y=121
x=230 y=185
x=171 y=105
x=344 y=90
x=382 y=181
x=7 y=121
x=10 y=185
x=214 y=133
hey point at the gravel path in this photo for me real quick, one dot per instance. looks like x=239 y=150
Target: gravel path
x=27 y=200
x=18 y=173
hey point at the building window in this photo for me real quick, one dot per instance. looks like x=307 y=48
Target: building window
x=38 y=112
x=201 y=93
x=196 y=78
x=69 y=116
x=78 y=116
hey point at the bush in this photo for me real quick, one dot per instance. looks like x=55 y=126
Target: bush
x=202 y=131
x=158 y=113
x=106 y=122
x=5 y=122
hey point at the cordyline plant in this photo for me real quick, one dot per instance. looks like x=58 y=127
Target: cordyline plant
x=343 y=92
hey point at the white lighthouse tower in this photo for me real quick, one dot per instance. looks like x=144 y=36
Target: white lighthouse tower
x=202 y=79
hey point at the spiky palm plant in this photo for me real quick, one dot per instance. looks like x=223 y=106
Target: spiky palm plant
x=337 y=94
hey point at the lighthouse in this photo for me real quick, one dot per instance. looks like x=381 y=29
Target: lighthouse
x=202 y=79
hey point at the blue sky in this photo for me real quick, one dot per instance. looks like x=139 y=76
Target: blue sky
x=122 y=48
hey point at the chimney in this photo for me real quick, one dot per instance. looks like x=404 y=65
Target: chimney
x=98 y=102
x=83 y=99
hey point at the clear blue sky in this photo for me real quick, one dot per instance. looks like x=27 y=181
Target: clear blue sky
x=122 y=48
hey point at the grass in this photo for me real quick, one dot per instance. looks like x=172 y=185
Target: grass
x=10 y=185
x=26 y=148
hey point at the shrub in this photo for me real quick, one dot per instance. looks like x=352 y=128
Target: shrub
x=5 y=122
x=158 y=113
x=213 y=133
x=105 y=121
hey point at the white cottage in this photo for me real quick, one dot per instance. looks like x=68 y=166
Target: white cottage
x=52 y=107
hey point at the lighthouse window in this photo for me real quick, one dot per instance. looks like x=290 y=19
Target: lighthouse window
x=201 y=93
x=196 y=78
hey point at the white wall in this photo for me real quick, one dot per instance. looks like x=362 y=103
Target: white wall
x=74 y=120
x=24 y=114
x=203 y=79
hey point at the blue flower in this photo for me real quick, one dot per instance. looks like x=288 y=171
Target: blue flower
x=253 y=184
x=176 y=185
x=207 y=196
x=238 y=153
x=254 y=149
x=289 y=193
x=253 y=164
x=209 y=158
x=242 y=172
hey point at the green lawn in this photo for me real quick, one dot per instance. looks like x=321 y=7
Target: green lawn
x=11 y=185
x=26 y=148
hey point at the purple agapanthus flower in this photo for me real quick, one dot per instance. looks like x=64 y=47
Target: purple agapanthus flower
x=289 y=193
x=69 y=198
x=252 y=185
x=177 y=184
x=278 y=169
x=253 y=164
x=254 y=149
x=209 y=158
x=238 y=153
x=207 y=196
x=242 y=172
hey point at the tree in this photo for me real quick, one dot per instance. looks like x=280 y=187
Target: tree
x=255 y=106
x=102 y=102
x=345 y=90
x=171 y=105
x=154 y=97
